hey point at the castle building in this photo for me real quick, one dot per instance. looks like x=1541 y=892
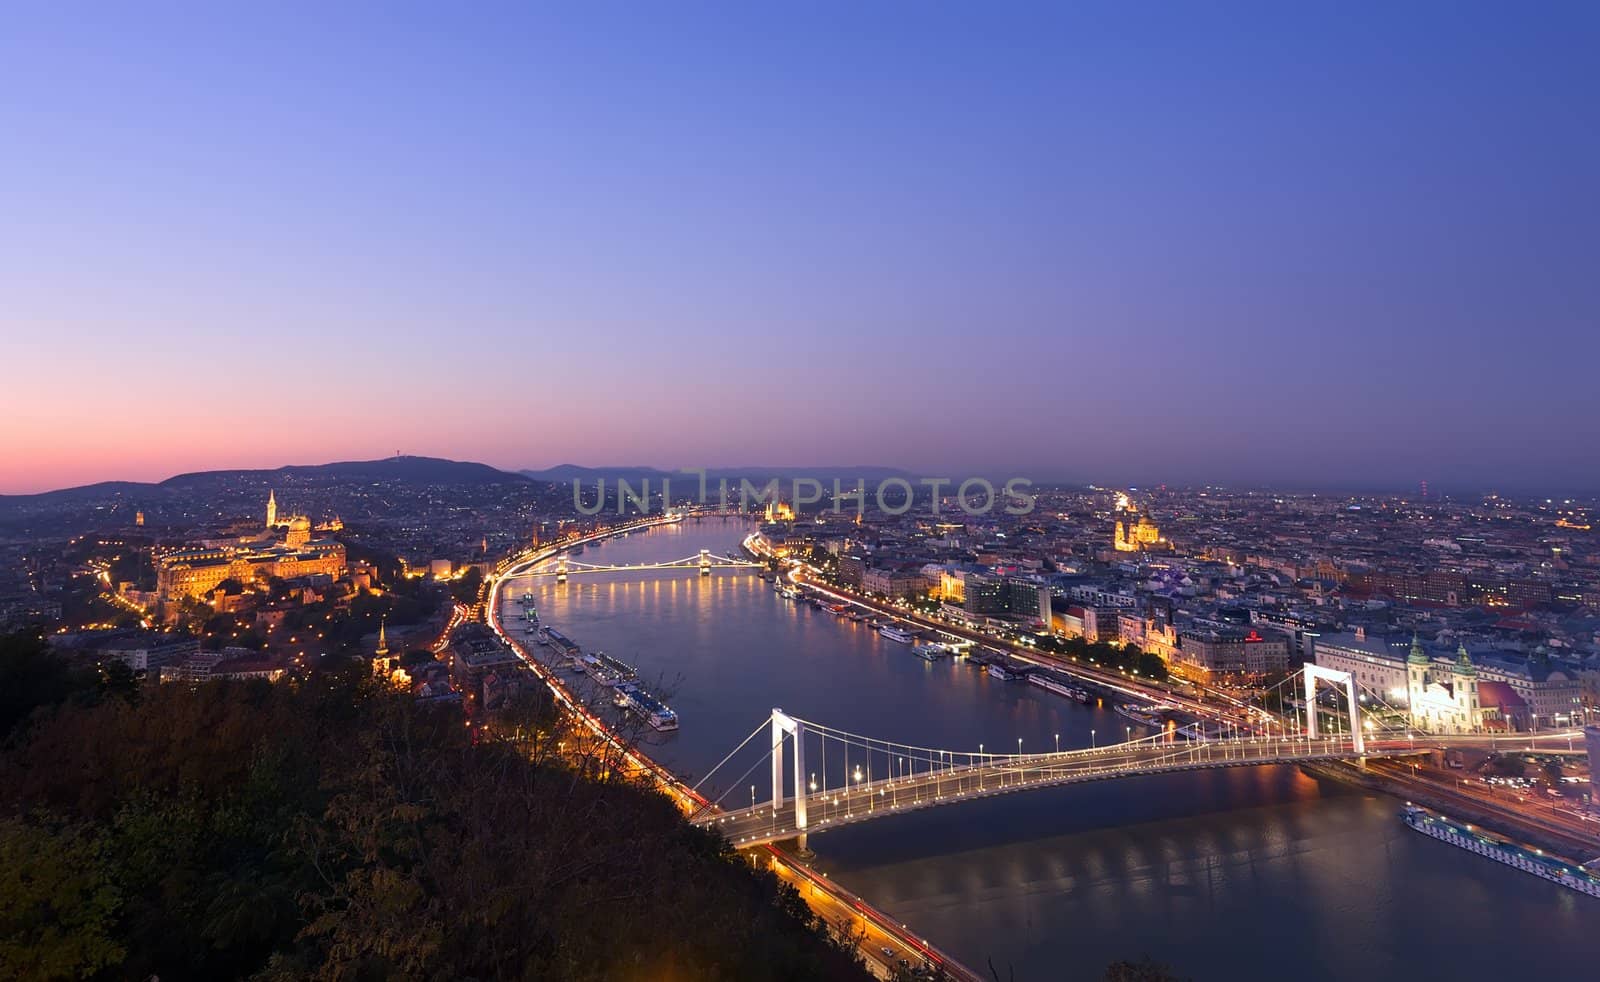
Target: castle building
x=196 y=571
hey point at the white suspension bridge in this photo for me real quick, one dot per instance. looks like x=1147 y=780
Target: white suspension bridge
x=837 y=778
x=705 y=562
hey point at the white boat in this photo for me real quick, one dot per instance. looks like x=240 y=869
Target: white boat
x=930 y=651
x=636 y=699
x=1151 y=715
x=607 y=670
x=1002 y=673
x=897 y=634
x=1461 y=836
x=1051 y=684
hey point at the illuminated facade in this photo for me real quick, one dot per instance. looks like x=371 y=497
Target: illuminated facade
x=1134 y=532
x=195 y=572
x=1443 y=700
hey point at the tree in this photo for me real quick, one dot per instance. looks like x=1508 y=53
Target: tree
x=465 y=590
x=57 y=903
x=332 y=828
x=33 y=677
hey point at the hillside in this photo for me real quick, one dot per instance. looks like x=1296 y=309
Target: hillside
x=329 y=829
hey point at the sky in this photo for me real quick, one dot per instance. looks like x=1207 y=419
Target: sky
x=1335 y=244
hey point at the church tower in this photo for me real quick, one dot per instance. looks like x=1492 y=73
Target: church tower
x=383 y=638
x=272 y=510
x=1416 y=676
x=1466 y=690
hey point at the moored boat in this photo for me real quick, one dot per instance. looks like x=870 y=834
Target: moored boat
x=607 y=670
x=1051 y=683
x=638 y=700
x=1533 y=861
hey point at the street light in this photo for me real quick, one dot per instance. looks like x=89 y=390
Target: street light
x=1091 y=739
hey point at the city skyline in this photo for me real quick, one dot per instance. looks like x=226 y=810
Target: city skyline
x=1256 y=245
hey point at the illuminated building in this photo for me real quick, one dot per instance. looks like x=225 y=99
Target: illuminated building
x=1442 y=700
x=195 y=572
x=1134 y=531
x=778 y=511
x=1203 y=653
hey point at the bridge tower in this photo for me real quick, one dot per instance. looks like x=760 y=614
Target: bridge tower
x=1312 y=674
x=785 y=725
x=705 y=562
x=561 y=570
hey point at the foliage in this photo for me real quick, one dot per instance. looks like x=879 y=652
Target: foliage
x=332 y=829
x=465 y=589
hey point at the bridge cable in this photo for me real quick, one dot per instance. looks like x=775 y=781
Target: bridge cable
x=759 y=727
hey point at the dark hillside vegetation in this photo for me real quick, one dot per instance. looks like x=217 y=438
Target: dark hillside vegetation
x=331 y=829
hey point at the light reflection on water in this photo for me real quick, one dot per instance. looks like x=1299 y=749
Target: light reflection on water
x=1238 y=874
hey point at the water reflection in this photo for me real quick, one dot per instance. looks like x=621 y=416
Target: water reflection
x=1247 y=873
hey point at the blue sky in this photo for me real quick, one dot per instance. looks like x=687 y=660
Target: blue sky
x=1241 y=242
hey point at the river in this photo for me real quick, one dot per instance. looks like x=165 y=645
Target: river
x=1258 y=873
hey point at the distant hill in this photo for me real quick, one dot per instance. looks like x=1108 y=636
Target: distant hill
x=408 y=470
x=566 y=473
x=86 y=492
x=411 y=470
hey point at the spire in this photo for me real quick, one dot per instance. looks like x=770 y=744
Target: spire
x=1464 y=661
x=383 y=637
x=1417 y=656
x=272 y=509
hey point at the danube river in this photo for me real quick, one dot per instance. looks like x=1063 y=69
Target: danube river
x=1258 y=873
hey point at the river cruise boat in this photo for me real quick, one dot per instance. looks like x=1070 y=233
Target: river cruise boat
x=607 y=670
x=1051 y=683
x=895 y=633
x=1004 y=674
x=930 y=651
x=637 y=700
x=1151 y=715
x=1532 y=861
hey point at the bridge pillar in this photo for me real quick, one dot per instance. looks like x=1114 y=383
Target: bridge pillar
x=785 y=725
x=705 y=562
x=1314 y=672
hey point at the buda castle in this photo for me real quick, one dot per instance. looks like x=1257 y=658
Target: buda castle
x=195 y=571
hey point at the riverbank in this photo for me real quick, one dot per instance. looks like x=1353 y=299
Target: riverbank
x=1500 y=820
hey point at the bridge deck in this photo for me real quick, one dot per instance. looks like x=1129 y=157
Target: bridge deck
x=866 y=801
